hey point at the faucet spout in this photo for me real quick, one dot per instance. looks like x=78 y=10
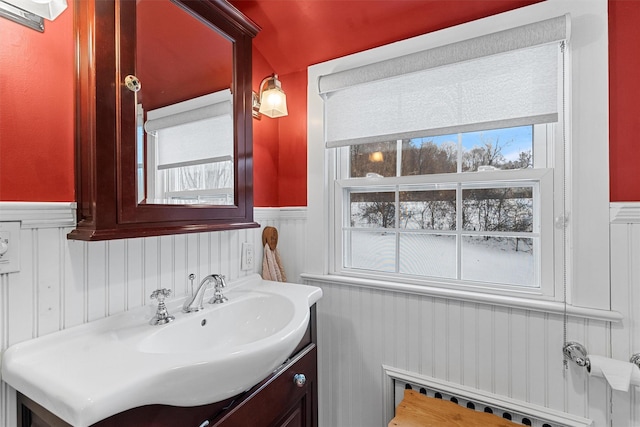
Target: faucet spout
x=195 y=302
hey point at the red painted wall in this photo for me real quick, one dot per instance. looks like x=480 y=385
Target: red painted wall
x=280 y=145
x=36 y=116
x=266 y=150
x=36 y=111
x=624 y=108
x=292 y=178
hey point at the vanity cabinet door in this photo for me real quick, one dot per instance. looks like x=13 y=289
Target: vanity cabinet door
x=280 y=402
x=30 y=414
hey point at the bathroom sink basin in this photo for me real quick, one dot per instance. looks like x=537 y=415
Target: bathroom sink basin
x=249 y=318
x=90 y=372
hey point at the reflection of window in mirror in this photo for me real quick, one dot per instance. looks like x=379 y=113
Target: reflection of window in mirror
x=186 y=77
x=190 y=151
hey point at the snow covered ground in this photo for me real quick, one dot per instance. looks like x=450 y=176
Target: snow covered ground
x=491 y=261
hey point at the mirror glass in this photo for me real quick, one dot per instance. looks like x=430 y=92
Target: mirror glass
x=185 y=126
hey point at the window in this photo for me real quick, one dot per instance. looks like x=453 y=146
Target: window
x=464 y=208
x=451 y=170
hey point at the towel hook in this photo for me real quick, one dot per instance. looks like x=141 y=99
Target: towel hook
x=270 y=237
x=577 y=353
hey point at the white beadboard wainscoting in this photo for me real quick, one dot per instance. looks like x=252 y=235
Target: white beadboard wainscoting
x=62 y=283
x=511 y=352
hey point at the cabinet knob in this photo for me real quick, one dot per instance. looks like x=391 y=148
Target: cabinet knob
x=299 y=380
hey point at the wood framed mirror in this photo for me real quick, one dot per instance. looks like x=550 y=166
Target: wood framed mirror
x=163 y=118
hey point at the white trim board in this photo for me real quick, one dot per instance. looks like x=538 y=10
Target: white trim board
x=39 y=214
x=624 y=212
x=527 y=304
x=273 y=214
x=63 y=214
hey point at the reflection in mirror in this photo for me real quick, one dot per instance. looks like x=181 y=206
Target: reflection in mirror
x=185 y=134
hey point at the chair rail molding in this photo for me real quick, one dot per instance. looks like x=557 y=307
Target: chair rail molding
x=39 y=214
x=624 y=212
x=272 y=214
x=63 y=214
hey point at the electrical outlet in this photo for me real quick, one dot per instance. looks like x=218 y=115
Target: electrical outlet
x=247 y=258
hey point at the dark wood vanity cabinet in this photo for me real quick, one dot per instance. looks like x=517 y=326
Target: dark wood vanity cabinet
x=279 y=402
x=276 y=402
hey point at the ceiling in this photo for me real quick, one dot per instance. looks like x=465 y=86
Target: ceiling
x=200 y=60
x=295 y=34
x=299 y=33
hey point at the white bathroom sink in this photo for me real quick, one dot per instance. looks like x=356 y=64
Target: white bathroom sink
x=90 y=372
x=246 y=319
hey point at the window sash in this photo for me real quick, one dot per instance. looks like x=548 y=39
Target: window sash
x=541 y=179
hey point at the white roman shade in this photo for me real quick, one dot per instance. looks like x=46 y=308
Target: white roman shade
x=503 y=79
x=204 y=141
x=189 y=116
x=189 y=133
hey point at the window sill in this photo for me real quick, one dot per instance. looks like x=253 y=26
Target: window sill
x=552 y=307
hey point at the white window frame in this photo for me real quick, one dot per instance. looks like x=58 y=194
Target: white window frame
x=541 y=177
x=586 y=253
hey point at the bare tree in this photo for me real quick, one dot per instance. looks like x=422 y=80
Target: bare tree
x=488 y=154
x=380 y=213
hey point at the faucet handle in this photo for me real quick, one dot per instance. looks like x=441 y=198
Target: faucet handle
x=161 y=294
x=162 y=314
x=220 y=282
x=218 y=297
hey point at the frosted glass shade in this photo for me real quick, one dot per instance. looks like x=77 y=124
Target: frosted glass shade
x=273 y=103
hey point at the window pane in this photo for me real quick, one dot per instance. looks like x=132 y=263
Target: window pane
x=430 y=255
x=507 y=260
x=373 y=210
x=422 y=156
x=370 y=250
x=379 y=158
x=510 y=148
x=428 y=209
x=206 y=176
x=498 y=209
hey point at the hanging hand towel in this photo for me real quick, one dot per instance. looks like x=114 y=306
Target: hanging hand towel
x=272 y=268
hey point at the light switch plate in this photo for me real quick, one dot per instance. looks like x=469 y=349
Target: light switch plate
x=9 y=247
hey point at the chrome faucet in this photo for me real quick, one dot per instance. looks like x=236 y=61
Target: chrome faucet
x=195 y=302
x=218 y=297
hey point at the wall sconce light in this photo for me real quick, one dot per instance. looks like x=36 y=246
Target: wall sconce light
x=31 y=12
x=272 y=101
